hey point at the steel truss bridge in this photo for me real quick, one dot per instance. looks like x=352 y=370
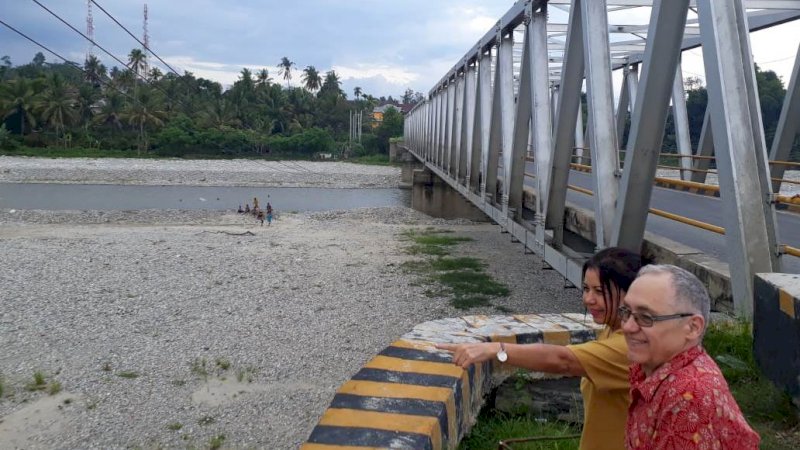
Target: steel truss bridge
x=509 y=114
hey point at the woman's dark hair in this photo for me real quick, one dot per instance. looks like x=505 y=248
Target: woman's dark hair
x=617 y=268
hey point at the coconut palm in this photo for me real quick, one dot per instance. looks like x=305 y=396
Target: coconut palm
x=137 y=60
x=286 y=66
x=220 y=114
x=155 y=74
x=311 y=79
x=145 y=111
x=111 y=111
x=357 y=92
x=85 y=101
x=18 y=97
x=56 y=104
x=94 y=70
x=263 y=77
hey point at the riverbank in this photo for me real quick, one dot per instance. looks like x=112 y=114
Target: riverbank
x=172 y=328
x=229 y=172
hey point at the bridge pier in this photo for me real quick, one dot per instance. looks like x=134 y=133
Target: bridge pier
x=433 y=196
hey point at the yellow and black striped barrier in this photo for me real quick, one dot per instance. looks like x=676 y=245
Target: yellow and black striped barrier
x=411 y=395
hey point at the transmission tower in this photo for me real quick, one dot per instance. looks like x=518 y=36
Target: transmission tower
x=146 y=39
x=89 y=28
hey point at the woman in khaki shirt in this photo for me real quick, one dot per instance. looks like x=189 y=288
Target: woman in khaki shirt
x=603 y=363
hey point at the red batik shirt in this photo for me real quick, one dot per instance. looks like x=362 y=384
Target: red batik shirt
x=685 y=403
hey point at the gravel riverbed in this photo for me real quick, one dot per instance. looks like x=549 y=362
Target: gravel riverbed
x=169 y=329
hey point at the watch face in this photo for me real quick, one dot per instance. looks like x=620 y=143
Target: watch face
x=502 y=356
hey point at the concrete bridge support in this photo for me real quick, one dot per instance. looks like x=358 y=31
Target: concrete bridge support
x=433 y=196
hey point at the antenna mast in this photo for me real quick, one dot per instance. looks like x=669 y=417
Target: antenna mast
x=146 y=66
x=89 y=28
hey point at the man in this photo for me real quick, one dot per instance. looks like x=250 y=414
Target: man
x=679 y=398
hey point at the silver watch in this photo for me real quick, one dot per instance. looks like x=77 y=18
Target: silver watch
x=502 y=356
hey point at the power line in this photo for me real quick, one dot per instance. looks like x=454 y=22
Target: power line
x=134 y=36
x=107 y=52
x=68 y=62
x=86 y=37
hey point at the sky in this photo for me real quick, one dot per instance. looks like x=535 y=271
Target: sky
x=382 y=46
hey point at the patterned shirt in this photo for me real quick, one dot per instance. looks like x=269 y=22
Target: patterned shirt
x=685 y=403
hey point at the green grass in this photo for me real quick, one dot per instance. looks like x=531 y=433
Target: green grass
x=198 y=367
x=54 y=388
x=768 y=409
x=175 y=426
x=493 y=427
x=460 y=278
x=128 y=374
x=372 y=160
x=223 y=363
x=75 y=152
x=216 y=442
x=38 y=383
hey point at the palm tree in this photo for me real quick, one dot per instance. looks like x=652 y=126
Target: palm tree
x=94 y=70
x=263 y=77
x=137 y=60
x=357 y=92
x=18 y=97
x=145 y=111
x=155 y=74
x=286 y=66
x=311 y=79
x=84 y=102
x=332 y=84
x=111 y=111
x=56 y=105
x=220 y=114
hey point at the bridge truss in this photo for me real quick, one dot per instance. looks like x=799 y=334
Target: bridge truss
x=517 y=93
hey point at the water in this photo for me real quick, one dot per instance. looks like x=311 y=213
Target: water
x=126 y=197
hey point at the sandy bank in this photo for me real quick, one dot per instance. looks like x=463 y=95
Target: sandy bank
x=168 y=328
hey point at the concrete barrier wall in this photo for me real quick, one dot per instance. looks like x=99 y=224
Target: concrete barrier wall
x=411 y=395
x=713 y=272
x=776 y=329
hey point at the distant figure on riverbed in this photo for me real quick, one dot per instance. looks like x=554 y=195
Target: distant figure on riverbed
x=269 y=214
x=247 y=207
x=269 y=208
x=260 y=217
x=240 y=211
x=255 y=204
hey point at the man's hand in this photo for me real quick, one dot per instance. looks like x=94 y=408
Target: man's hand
x=465 y=355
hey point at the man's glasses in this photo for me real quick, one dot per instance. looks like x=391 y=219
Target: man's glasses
x=646 y=320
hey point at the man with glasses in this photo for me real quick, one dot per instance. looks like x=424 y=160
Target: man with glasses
x=679 y=398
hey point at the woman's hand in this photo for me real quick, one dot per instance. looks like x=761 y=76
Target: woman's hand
x=464 y=355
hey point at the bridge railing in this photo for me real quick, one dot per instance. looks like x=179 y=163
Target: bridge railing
x=519 y=88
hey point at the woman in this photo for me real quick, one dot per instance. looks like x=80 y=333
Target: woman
x=603 y=363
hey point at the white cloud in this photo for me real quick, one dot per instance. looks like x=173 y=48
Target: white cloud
x=397 y=75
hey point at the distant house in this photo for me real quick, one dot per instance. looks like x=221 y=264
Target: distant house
x=379 y=111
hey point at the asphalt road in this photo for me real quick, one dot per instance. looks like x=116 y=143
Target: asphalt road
x=699 y=207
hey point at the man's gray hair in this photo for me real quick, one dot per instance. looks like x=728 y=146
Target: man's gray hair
x=689 y=290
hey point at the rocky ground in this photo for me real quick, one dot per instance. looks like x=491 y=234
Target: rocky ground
x=172 y=329
x=228 y=172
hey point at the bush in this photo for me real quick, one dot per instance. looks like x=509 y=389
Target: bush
x=308 y=143
x=7 y=141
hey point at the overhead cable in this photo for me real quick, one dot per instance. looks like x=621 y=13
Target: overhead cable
x=134 y=36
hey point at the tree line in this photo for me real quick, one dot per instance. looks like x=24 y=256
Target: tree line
x=140 y=110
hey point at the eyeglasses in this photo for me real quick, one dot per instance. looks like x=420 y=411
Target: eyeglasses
x=646 y=320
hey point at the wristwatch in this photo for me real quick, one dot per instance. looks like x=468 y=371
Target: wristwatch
x=502 y=356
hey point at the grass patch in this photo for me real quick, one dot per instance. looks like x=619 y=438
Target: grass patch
x=54 y=388
x=768 y=409
x=492 y=428
x=216 y=442
x=464 y=263
x=206 y=420
x=223 y=363
x=175 y=426
x=460 y=278
x=128 y=374
x=198 y=367
x=372 y=160
x=38 y=383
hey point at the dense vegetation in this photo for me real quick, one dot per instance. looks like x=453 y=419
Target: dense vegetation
x=58 y=108
x=771 y=94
